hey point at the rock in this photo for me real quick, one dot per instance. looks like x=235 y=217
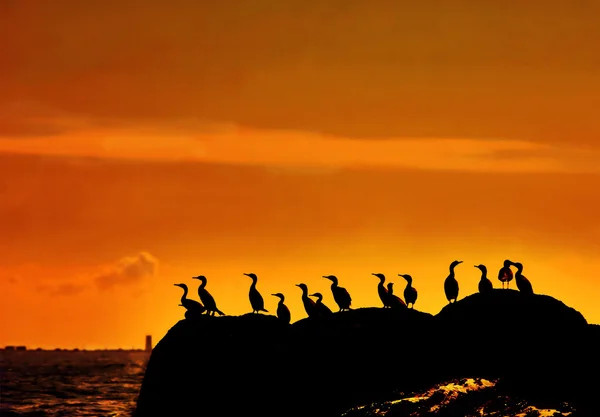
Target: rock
x=240 y=365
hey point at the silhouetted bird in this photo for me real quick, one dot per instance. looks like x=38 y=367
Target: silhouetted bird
x=382 y=291
x=505 y=275
x=192 y=306
x=321 y=307
x=206 y=298
x=523 y=283
x=341 y=296
x=256 y=300
x=485 y=285
x=309 y=305
x=451 y=284
x=410 y=292
x=394 y=300
x=283 y=312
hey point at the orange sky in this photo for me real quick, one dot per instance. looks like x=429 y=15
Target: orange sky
x=142 y=144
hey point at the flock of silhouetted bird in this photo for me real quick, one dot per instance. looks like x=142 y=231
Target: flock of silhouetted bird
x=342 y=298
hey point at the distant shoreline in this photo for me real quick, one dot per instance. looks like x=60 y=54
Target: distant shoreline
x=17 y=349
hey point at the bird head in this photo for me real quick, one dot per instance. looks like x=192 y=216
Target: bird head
x=179 y=305
x=508 y=263
x=331 y=278
x=517 y=265
x=317 y=294
x=407 y=277
x=280 y=295
x=302 y=286
x=200 y=277
x=251 y=275
x=453 y=264
x=482 y=268
x=180 y=285
x=380 y=276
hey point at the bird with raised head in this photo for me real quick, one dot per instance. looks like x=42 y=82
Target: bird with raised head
x=283 y=312
x=485 y=285
x=381 y=290
x=206 y=298
x=320 y=306
x=410 y=292
x=309 y=304
x=451 y=284
x=256 y=300
x=341 y=296
x=394 y=300
x=192 y=306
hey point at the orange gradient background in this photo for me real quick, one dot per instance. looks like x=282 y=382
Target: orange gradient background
x=142 y=144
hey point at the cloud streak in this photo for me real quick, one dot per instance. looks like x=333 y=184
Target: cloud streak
x=290 y=151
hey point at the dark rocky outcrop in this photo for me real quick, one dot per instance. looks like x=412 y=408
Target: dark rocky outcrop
x=254 y=364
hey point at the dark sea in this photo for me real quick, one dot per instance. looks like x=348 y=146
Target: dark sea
x=107 y=383
x=67 y=383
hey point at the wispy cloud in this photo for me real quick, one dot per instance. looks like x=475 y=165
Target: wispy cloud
x=127 y=271
x=290 y=151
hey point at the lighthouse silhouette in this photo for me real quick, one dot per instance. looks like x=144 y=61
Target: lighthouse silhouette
x=148 y=343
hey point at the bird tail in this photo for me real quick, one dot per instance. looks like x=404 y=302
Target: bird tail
x=262 y=309
x=220 y=313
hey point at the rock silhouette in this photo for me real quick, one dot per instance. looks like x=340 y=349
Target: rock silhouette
x=255 y=364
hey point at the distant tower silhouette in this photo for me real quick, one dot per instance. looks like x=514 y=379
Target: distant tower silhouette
x=148 y=343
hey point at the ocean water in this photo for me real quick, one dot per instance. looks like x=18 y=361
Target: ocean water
x=65 y=383
x=99 y=383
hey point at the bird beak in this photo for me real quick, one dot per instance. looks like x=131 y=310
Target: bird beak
x=460 y=262
x=297 y=285
x=476 y=266
x=180 y=305
x=177 y=285
x=274 y=295
x=374 y=274
x=246 y=274
x=324 y=276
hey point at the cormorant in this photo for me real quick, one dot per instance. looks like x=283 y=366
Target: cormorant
x=523 y=283
x=206 y=298
x=309 y=304
x=410 y=292
x=485 y=285
x=451 y=284
x=505 y=275
x=283 y=312
x=394 y=300
x=320 y=306
x=382 y=291
x=340 y=295
x=256 y=300
x=190 y=305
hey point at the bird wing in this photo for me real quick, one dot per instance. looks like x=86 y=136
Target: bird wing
x=346 y=294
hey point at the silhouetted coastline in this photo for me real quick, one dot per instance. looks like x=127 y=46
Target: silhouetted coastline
x=534 y=345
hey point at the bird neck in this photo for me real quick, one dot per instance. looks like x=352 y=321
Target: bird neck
x=202 y=285
x=184 y=296
x=280 y=302
x=253 y=285
x=408 y=284
x=483 y=275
